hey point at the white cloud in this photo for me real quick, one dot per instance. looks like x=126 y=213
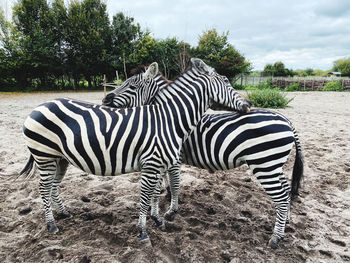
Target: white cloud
x=303 y=58
x=333 y=8
x=299 y=33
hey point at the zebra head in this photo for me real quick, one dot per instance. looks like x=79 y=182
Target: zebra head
x=222 y=95
x=137 y=90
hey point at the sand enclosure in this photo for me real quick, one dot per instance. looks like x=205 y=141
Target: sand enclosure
x=223 y=217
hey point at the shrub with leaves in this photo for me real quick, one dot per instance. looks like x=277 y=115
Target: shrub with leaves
x=332 y=86
x=238 y=86
x=251 y=87
x=268 y=98
x=293 y=87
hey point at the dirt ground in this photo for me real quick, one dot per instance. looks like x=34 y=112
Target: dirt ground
x=223 y=217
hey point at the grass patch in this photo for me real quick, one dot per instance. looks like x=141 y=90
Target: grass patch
x=268 y=98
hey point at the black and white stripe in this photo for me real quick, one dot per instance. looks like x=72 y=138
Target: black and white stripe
x=106 y=141
x=262 y=139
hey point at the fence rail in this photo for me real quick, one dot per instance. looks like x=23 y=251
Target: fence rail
x=306 y=83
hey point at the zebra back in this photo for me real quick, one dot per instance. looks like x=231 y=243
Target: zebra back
x=145 y=88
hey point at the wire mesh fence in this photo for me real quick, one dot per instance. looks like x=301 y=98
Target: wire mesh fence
x=305 y=83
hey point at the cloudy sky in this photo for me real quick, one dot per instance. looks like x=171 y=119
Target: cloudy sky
x=300 y=33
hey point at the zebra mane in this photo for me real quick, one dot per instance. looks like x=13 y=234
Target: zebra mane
x=169 y=81
x=138 y=70
x=164 y=80
x=142 y=69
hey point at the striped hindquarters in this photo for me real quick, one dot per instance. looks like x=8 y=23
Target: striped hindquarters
x=225 y=141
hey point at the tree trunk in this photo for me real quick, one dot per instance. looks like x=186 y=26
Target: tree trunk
x=124 y=64
x=166 y=73
x=88 y=78
x=76 y=83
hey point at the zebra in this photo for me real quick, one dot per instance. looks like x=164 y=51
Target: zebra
x=104 y=141
x=262 y=139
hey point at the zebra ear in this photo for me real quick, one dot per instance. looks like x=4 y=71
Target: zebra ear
x=151 y=71
x=200 y=66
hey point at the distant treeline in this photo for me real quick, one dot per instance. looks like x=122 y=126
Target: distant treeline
x=53 y=46
x=278 y=69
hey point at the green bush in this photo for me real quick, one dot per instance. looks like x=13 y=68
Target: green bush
x=268 y=98
x=251 y=87
x=293 y=87
x=332 y=86
x=238 y=86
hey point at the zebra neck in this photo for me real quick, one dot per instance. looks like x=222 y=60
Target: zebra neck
x=186 y=100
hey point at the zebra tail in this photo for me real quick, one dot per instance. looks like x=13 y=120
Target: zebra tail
x=29 y=169
x=298 y=169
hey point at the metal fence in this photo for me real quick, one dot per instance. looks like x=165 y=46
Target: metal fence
x=306 y=83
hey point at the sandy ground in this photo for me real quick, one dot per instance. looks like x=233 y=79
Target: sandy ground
x=223 y=217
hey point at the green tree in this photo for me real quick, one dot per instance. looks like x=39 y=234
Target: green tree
x=269 y=70
x=32 y=21
x=319 y=72
x=6 y=63
x=277 y=69
x=309 y=71
x=58 y=26
x=125 y=36
x=88 y=38
x=58 y=46
x=217 y=52
x=166 y=52
x=144 y=51
x=342 y=66
x=171 y=56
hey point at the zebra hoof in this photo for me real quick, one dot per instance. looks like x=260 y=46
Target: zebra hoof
x=52 y=228
x=158 y=221
x=160 y=225
x=64 y=215
x=274 y=241
x=144 y=237
x=170 y=216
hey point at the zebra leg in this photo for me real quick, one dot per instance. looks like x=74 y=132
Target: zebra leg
x=155 y=204
x=61 y=170
x=284 y=182
x=167 y=187
x=174 y=181
x=149 y=180
x=280 y=196
x=47 y=174
x=280 y=224
x=286 y=187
